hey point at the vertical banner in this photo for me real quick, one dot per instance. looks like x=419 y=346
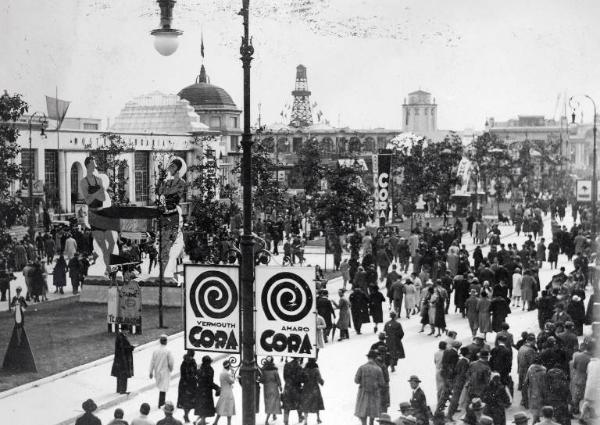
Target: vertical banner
x=383 y=201
x=211 y=308
x=286 y=312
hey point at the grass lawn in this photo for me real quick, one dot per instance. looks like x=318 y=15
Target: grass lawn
x=67 y=334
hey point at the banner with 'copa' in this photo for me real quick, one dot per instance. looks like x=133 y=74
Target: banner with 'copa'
x=211 y=308
x=286 y=311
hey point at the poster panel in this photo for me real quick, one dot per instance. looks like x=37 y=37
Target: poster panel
x=211 y=308
x=286 y=312
x=383 y=199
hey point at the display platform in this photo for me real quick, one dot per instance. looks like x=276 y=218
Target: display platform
x=95 y=290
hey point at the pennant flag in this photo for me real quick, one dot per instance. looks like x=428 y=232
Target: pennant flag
x=202 y=45
x=57 y=109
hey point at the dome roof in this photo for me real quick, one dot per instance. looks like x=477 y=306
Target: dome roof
x=205 y=95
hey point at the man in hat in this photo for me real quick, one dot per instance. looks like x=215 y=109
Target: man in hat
x=407 y=420
x=325 y=310
x=370 y=380
x=88 y=418
x=385 y=419
x=405 y=412
x=478 y=375
x=394 y=334
x=568 y=340
x=460 y=378
x=501 y=361
x=161 y=367
x=520 y=418
x=168 y=410
x=474 y=415
x=534 y=385
x=418 y=401
x=525 y=357
x=476 y=346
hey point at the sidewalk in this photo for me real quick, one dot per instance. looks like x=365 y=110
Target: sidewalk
x=57 y=399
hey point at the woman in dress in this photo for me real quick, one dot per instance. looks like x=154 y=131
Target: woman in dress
x=483 y=314
x=226 y=403
x=271 y=389
x=122 y=367
x=321 y=325
x=517 y=279
x=188 y=384
x=425 y=310
x=205 y=403
x=60 y=274
x=312 y=401
x=376 y=300
x=410 y=298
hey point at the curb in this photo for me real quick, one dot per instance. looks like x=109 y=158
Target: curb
x=124 y=397
x=77 y=369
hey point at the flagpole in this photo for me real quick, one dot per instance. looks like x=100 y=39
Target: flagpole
x=64 y=177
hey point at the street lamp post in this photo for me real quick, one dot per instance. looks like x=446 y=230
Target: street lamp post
x=43 y=121
x=594 y=177
x=248 y=361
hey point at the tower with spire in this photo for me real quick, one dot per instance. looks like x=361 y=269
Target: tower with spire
x=301 y=115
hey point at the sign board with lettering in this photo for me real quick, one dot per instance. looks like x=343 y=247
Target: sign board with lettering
x=583 y=191
x=125 y=307
x=286 y=312
x=211 y=308
x=381 y=180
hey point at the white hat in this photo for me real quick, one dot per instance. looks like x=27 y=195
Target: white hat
x=183 y=168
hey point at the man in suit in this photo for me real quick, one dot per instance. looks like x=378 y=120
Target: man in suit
x=501 y=361
x=478 y=375
x=325 y=309
x=418 y=401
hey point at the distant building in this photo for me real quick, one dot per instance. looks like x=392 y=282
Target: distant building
x=419 y=114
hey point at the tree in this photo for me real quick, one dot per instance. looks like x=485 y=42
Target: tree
x=109 y=160
x=12 y=210
x=208 y=213
x=310 y=166
x=346 y=200
x=494 y=163
x=268 y=193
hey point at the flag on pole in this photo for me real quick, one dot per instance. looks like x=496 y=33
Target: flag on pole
x=57 y=109
x=202 y=45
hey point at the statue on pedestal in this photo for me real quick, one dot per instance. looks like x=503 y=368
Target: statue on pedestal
x=94 y=187
x=170 y=192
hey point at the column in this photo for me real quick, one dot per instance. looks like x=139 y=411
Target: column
x=62 y=185
x=131 y=177
x=151 y=178
x=40 y=163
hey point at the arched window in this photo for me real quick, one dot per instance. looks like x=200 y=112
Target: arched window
x=354 y=145
x=283 y=145
x=370 y=144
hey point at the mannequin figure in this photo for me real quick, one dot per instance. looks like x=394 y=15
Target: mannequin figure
x=93 y=187
x=170 y=192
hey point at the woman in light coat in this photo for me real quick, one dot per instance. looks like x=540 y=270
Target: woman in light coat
x=483 y=314
x=517 y=279
x=226 y=403
x=410 y=298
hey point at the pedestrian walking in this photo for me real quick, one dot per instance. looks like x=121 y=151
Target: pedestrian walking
x=75 y=272
x=472 y=312
x=122 y=367
x=370 y=380
x=271 y=389
x=359 y=306
x=496 y=399
x=292 y=390
x=478 y=375
x=393 y=336
x=376 y=300
x=558 y=395
x=517 y=279
x=410 y=298
x=460 y=379
x=579 y=366
x=325 y=310
x=187 y=389
x=418 y=401
x=226 y=403
x=161 y=367
x=535 y=386
x=312 y=400
x=483 y=314
x=59 y=274
x=205 y=403
x=343 y=323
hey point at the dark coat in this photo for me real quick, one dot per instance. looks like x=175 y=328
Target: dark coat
x=376 y=299
x=501 y=362
x=461 y=291
x=558 y=395
x=478 y=378
x=449 y=360
x=312 y=400
x=123 y=361
x=418 y=402
x=497 y=401
x=205 y=403
x=359 y=307
x=60 y=272
x=394 y=334
x=325 y=310
x=292 y=389
x=500 y=309
x=188 y=383
x=88 y=419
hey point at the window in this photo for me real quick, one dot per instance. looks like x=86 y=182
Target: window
x=234 y=143
x=215 y=122
x=142 y=181
x=283 y=145
x=51 y=177
x=234 y=122
x=28 y=164
x=90 y=126
x=296 y=143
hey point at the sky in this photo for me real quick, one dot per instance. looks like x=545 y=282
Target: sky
x=478 y=58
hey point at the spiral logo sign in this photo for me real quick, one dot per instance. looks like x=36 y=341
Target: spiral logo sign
x=212 y=314
x=286 y=297
x=285 y=311
x=213 y=295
